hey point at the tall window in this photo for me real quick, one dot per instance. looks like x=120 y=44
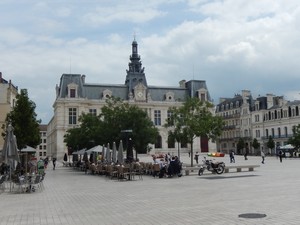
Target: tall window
x=72 y=115
x=171 y=142
x=157 y=117
x=72 y=93
x=279 y=132
x=285 y=132
x=169 y=117
x=257 y=133
x=93 y=112
x=158 y=143
x=273 y=132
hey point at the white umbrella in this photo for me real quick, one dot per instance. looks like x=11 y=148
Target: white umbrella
x=114 y=152
x=103 y=154
x=288 y=146
x=120 y=153
x=108 y=156
x=28 y=149
x=10 y=150
x=80 y=152
x=94 y=149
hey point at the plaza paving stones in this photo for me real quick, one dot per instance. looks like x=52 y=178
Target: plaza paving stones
x=72 y=197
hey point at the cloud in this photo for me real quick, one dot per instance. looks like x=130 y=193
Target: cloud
x=233 y=45
x=107 y=15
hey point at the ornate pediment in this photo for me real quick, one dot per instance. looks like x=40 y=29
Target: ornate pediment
x=106 y=94
x=170 y=96
x=140 y=92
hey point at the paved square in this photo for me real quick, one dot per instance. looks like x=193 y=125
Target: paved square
x=72 y=197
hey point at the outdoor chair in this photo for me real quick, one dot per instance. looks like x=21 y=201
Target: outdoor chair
x=111 y=172
x=101 y=169
x=2 y=181
x=155 y=170
x=123 y=172
x=22 y=183
x=36 y=183
x=139 y=170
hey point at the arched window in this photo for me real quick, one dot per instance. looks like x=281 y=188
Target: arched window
x=171 y=142
x=158 y=142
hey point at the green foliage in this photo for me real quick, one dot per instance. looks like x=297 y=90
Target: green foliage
x=107 y=127
x=295 y=139
x=271 y=143
x=240 y=145
x=255 y=144
x=193 y=119
x=23 y=119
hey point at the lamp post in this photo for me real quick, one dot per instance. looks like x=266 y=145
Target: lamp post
x=129 y=150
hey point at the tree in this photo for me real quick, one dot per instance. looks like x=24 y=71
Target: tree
x=85 y=136
x=255 y=145
x=107 y=127
x=271 y=143
x=194 y=119
x=295 y=139
x=240 y=145
x=118 y=116
x=23 y=119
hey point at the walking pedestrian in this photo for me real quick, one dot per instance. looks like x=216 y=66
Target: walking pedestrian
x=280 y=154
x=263 y=157
x=196 y=157
x=231 y=155
x=54 y=162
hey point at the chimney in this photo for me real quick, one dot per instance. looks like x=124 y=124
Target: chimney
x=83 y=78
x=182 y=83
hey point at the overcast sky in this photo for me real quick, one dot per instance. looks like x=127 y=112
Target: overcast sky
x=231 y=44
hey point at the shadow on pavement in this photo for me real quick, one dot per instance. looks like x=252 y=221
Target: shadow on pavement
x=227 y=177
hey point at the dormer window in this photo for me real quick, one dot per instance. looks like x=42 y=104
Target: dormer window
x=72 y=90
x=170 y=96
x=202 y=94
x=106 y=94
x=72 y=93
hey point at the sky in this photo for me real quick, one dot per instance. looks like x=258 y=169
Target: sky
x=233 y=45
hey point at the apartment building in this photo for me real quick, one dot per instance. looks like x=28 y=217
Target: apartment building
x=8 y=94
x=41 y=149
x=260 y=118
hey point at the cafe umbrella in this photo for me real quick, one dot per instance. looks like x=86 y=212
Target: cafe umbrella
x=108 y=155
x=103 y=154
x=10 y=150
x=114 y=153
x=120 y=155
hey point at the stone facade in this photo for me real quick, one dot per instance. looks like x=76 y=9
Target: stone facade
x=249 y=118
x=8 y=94
x=74 y=96
x=41 y=149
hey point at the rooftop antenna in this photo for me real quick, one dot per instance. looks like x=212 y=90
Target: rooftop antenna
x=192 y=91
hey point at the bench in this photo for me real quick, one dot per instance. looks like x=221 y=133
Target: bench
x=189 y=169
x=239 y=168
x=65 y=163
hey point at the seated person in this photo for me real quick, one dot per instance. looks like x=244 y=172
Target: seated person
x=174 y=167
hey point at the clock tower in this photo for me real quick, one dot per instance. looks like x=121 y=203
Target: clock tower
x=135 y=73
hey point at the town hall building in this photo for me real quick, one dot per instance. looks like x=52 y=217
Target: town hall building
x=75 y=96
